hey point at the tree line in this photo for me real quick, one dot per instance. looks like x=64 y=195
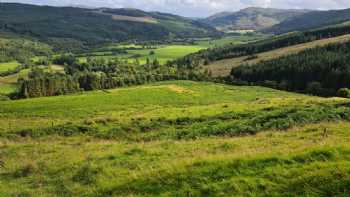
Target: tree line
x=321 y=71
x=232 y=50
x=98 y=73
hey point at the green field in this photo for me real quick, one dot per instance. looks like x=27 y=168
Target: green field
x=8 y=66
x=164 y=53
x=239 y=39
x=176 y=138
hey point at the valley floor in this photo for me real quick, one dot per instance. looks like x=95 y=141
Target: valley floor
x=176 y=138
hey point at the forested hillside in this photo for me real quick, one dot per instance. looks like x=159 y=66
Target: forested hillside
x=77 y=28
x=22 y=49
x=321 y=71
x=250 y=49
x=311 y=20
x=252 y=18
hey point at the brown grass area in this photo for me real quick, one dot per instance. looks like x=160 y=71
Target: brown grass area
x=146 y=19
x=134 y=19
x=179 y=89
x=223 y=67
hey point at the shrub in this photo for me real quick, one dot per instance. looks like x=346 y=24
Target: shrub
x=344 y=92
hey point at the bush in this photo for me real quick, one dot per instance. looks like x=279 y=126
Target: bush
x=344 y=92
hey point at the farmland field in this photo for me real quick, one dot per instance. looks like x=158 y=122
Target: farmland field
x=174 y=138
x=162 y=53
x=8 y=66
x=168 y=52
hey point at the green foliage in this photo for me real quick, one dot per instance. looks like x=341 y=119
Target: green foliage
x=21 y=50
x=344 y=92
x=97 y=74
x=249 y=49
x=321 y=70
x=73 y=29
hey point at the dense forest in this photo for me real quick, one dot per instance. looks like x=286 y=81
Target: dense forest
x=321 y=71
x=97 y=74
x=71 y=29
x=231 y=51
x=22 y=50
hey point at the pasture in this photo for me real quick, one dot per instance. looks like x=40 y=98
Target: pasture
x=164 y=52
x=8 y=66
x=136 y=141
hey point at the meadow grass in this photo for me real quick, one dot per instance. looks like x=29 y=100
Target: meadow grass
x=8 y=66
x=163 y=53
x=300 y=162
x=164 y=139
x=236 y=40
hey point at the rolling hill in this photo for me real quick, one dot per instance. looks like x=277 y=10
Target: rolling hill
x=77 y=27
x=175 y=138
x=311 y=20
x=224 y=67
x=251 y=18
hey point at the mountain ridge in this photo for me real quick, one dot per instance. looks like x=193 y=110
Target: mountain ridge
x=251 y=18
x=85 y=27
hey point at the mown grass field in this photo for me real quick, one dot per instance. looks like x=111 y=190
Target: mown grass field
x=223 y=67
x=239 y=39
x=8 y=66
x=176 y=138
x=162 y=53
x=165 y=53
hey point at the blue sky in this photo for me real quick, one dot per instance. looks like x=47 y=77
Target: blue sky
x=195 y=8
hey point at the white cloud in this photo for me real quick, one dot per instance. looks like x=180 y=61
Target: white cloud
x=196 y=7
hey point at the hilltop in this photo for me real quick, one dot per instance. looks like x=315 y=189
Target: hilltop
x=311 y=20
x=184 y=138
x=252 y=18
x=79 y=27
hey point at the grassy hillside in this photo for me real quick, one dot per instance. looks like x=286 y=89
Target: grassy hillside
x=320 y=71
x=77 y=28
x=8 y=66
x=251 y=18
x=224 y=67
x=311 y=20
x=127 y=142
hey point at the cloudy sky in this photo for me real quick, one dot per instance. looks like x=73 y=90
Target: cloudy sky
x=195 y=8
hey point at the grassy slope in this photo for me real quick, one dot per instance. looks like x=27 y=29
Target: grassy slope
x=8 y=66
x=291 y=163
x=223 y=67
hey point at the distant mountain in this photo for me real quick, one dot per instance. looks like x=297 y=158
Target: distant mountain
x=251 y=18
x=311 y=20
x=63 y=26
